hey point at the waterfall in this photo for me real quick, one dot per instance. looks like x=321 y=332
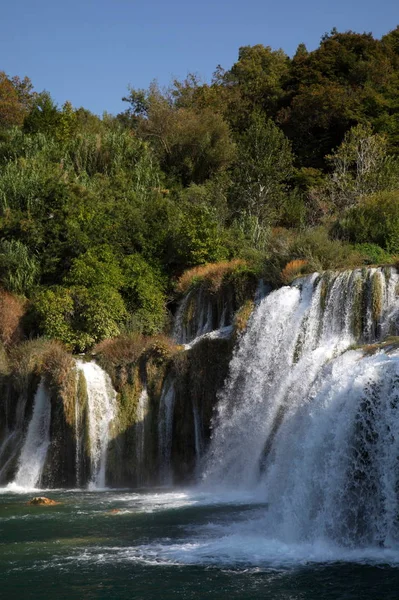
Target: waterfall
x=198 y=433
x=78 y=438
x=200 y=313
x=141 y=416
x=102 y=409
x=309 y=423
x=13 y=439
x=165 y=431
x=34 y=450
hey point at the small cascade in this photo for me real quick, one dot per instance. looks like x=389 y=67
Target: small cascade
x=13 y=439
x=34 y=450
x=78 y=437
x=141 y=416
x=165 y=431
x=309 y=423
x=198 y=434
x=102 y=410
x=201 y=313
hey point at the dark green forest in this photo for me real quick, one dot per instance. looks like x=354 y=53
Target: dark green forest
x=289 y=164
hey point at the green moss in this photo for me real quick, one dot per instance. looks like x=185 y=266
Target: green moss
x=128 y=398
x=242 y=316
x=390 y=344
x=376 y=297
x=299 y=342
x=326 y=281
x=357 y=308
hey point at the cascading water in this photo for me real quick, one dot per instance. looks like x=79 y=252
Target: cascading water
x=78 y=437
x=198 y=434
x=34 y=450
x=102 y=410
x=165 y=431
x=199 y=314
x=141 y=416
x=310 y=424
x=13 y=439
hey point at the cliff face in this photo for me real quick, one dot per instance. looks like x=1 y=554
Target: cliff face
x=165 y=393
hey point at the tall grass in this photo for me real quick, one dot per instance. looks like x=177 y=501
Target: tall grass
x=19 y=270
x=211 y=273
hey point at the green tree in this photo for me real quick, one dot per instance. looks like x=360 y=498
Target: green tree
x=192 y=144
x=263 y=167
x=360 y=167
x=143 y=291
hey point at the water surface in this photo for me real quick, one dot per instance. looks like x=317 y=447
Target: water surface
x=167 y=545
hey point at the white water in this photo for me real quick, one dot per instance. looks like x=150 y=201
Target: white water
x=198 y=434
x=195 y=318
x=102 y=411
x=165 y=431
x=34 y=451
x=311 y=428
x=141 y=416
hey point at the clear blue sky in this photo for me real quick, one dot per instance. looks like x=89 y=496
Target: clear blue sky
x=88 y=51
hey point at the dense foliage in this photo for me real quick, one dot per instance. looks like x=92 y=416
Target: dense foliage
x=288 y=164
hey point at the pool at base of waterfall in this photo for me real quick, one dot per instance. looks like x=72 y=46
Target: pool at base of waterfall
x=168 y=544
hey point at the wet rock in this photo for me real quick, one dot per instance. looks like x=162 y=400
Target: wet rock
x=42 y=501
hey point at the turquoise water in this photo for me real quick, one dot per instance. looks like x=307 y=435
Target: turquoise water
x=168 y=545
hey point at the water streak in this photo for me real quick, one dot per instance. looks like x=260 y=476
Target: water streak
x=34 y=451
x=165 y=431
x=102 y=410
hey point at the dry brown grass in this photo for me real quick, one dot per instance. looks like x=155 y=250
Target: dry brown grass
x=162 y=348
x=57 y=364
x=121 y=350
x=41 y=356
x=212 y=273
x=293 y=269
x=12 y=309
x=127 y=350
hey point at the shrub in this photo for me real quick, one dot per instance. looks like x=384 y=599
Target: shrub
x=198 y=238
x=373 y=254
x=79 y=317
x=322 y=253
x=97 y=266
x=54 y=309
x=374 y=220
x=143 y=291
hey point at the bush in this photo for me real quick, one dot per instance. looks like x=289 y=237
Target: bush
x=79 y=317
x=199 y=238
x=143 y=291
x=322 y=253
x=309 y=251
x=97 y=266
x=374 y=220
x=373 y=254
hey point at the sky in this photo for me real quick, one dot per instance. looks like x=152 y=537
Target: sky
x=89 y=51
